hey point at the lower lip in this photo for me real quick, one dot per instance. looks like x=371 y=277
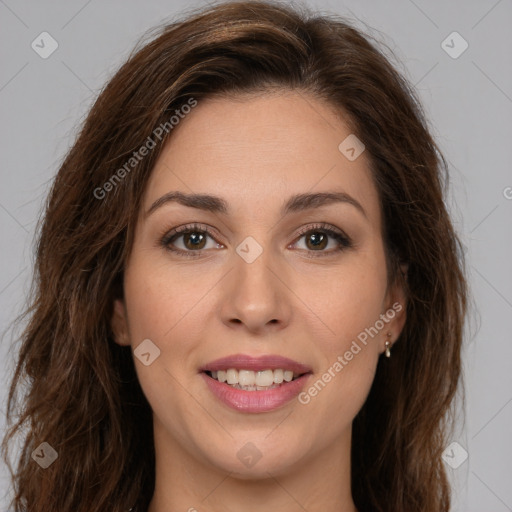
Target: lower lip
x=256 y=401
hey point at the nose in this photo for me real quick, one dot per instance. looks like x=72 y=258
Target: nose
x=256 y=297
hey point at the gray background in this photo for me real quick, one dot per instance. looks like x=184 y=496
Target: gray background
x=468 y=101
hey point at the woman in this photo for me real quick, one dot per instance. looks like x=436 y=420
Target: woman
x=249 y=294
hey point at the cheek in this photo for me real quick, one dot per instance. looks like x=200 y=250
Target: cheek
x=346 y=300
x=338 y=390
x=166 y=308
x=155 y=312
x=162 y=299
x=349 y=308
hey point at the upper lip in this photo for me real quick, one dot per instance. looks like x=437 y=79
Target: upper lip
x=259 y=363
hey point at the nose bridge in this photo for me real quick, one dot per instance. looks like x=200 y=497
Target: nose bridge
x=253 y=269
x=255 y=296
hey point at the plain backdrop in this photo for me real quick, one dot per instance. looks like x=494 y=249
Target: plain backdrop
x=468 y=100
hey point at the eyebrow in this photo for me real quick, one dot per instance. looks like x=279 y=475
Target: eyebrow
x=296 y=203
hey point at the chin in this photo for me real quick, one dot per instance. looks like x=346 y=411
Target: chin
x=255 y=460
x=262 y=469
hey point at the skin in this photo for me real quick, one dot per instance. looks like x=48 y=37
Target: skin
x=255 y=152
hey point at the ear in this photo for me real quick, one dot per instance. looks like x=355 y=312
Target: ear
x=119 y=323
x=396 y=307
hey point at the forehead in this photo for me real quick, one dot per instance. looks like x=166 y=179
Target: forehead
x=254 y=151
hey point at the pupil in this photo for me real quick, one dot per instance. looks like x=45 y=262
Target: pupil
x=318 y=239
x=195 y=238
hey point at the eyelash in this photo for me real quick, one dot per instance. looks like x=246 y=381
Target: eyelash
x=339 y=236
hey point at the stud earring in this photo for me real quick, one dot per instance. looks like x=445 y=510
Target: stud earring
x=388 y=345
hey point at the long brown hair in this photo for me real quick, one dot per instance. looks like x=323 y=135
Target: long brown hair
x=79 y=391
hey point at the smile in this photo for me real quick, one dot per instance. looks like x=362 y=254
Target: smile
x=255 y=384
x=249 y=380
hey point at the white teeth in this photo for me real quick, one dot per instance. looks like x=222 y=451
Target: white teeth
x=264 y=378
x=278 y=376
x=251 y=380
x=246 y=378
x=232 y=376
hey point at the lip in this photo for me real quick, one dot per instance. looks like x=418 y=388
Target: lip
x=256 y=401
x=259 y=363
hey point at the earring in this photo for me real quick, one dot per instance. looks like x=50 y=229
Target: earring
x=388 y=345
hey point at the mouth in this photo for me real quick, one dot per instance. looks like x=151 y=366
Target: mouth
x=255 y=384
x=249 y=380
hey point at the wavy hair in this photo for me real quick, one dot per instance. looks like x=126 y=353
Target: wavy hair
x=76 y=389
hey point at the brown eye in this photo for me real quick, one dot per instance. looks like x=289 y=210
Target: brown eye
x=189 y=240
x=318 y=240
x=194 y=240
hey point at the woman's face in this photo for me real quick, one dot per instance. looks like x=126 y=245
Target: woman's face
x=268 y=280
